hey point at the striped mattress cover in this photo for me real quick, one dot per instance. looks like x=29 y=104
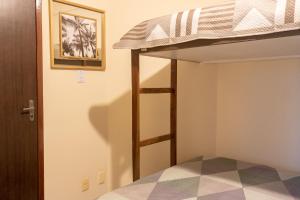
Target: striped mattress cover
x=230 y=19
x=213 y=179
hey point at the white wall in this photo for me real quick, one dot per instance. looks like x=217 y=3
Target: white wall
x=259 y=112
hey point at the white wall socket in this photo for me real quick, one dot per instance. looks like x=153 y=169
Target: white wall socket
x=85 y=184
x=100 y=177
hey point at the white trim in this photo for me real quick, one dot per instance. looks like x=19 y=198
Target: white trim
x=280 y=12
x=297 y=11
x=184 y=19
x=252 y=59
x=173 y=25
x=196 y=20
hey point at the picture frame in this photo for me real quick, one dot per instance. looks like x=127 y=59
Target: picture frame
x=77 y=36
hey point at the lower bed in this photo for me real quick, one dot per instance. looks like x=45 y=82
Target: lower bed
x=213 y=179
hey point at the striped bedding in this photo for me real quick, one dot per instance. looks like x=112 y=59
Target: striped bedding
x=233 y=18
x=213 y=179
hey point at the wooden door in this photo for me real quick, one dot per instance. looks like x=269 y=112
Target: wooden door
x=18 y=85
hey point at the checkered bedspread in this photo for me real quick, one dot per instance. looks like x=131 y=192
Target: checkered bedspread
x=213 y=179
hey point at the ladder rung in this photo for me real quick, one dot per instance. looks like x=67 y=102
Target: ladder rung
x=156 y=90
x=155 y=140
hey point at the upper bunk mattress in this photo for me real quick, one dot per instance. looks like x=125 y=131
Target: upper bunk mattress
x=235 y=18
x=213 y=179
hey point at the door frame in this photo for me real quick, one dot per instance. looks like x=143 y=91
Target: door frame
x=40 y=112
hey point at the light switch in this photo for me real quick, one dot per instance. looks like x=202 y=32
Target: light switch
x=81 y=76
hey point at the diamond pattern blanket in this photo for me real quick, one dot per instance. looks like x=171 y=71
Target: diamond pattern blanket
x=213 y=179
x=233 y=18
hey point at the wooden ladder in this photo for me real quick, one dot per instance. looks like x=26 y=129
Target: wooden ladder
x=136 y=91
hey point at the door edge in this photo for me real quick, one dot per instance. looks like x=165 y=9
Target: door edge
x=40 y=107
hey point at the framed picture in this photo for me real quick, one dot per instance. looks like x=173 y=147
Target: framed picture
x=77 y=36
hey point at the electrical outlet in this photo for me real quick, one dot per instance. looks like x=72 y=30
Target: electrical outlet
x=100 y=177
x=85 y=184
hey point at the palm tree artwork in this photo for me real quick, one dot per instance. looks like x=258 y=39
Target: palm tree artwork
x=78 y=37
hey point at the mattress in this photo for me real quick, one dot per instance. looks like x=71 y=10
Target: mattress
x=213 y=179
x=230 y=19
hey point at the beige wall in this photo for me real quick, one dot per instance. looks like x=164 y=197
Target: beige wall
x=88 y=126
x=258 y=112
x=196 y=121
x=154 y=109
x=76 y=132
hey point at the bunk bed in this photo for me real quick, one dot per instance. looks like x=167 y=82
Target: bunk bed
x=233 y=30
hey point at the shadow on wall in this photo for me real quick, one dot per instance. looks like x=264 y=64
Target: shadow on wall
x=197 y=104
x=154 y=121
x=155 y=111
x=95 y=114
x=119 y=139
